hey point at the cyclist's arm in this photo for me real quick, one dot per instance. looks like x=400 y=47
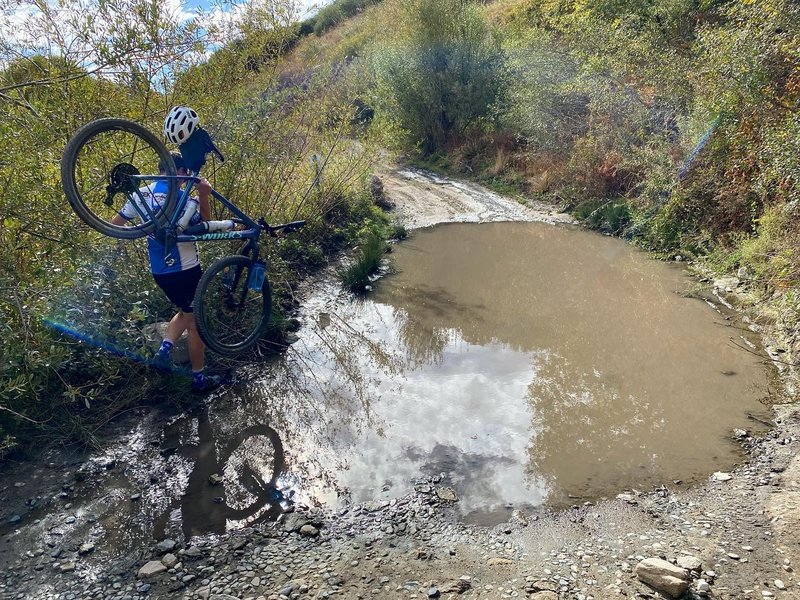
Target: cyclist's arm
x=203 y=193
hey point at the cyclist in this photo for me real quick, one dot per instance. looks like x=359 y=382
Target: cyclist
x=177 y=273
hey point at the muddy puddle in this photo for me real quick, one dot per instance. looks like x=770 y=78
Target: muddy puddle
x=527 y=365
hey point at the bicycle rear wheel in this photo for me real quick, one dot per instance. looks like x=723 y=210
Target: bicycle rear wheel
x=96 y=168
x=230 y=316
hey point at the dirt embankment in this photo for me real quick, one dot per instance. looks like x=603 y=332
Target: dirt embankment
x=734 y=537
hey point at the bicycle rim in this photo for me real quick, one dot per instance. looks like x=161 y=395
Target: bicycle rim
x=95 y=168
x=230 y=316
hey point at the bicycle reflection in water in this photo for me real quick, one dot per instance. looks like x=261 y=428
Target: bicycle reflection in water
x=232 y=483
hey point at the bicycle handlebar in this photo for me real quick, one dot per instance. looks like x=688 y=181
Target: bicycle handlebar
x=287 y=226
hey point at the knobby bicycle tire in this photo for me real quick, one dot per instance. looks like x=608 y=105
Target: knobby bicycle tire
x=231 y=317
x=90 y=151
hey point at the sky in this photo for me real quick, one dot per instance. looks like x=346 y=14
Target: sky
x=18 y=20
x=306 y=7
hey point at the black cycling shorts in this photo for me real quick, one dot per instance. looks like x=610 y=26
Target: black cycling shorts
x=179 y=287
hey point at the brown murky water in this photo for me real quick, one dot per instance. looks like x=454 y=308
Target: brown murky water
x=531 y=365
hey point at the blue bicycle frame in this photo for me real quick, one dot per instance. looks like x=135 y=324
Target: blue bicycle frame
x=251 y=235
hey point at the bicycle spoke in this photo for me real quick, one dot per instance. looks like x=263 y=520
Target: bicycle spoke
x=99 y=169
x=98 y=157
x=230 y=315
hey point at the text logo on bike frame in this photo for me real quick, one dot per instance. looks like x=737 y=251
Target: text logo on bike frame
x=231 y=235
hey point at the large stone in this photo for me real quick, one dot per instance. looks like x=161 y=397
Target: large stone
x=154 y=567
x=498 y=562
x=663 y=576
x=165 y=546
x=293 y=521
x=545 y=596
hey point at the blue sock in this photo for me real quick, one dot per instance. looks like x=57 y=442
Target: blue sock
x=197 y=377
x=165 y=348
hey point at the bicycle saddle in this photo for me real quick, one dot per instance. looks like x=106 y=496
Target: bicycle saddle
x=195 y=149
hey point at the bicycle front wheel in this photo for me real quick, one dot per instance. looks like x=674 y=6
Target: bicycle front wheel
x=230 y=316
x=96 y=168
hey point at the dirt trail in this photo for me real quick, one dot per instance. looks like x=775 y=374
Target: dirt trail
x=423 y=199
x=61 y=520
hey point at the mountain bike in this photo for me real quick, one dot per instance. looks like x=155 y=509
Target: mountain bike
x=107 y=162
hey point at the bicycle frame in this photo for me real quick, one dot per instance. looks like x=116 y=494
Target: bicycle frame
x=251 y=234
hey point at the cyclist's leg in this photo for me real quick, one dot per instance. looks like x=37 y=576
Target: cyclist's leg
x=197 y=349
x=179 y=288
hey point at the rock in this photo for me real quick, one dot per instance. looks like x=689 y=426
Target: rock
x=15 y=519
x=379 y=195
x=690 y=563
x=215 y=479
x=154 y=567
x=455 y=587
x=165 y=546
x=433 y=592
x=447 y=494
x=663 y=576
x=169 y=560
x=86 y=548
x=720 y=476
x=543 y=585
x=293 y=521
x=309 y=531
x=544 y=596
x=67 y=567
x=376 y=186
x=779 y=584
x=703 y=587
x=193 y=552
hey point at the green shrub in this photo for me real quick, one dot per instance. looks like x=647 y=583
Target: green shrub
x=609 y=216
x=399 y=232
x=357 y=276
x=444 y=74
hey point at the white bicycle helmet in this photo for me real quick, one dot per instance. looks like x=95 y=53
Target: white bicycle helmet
x=180 y=123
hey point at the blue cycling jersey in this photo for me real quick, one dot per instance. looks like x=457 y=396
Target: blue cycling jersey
x=183 y=256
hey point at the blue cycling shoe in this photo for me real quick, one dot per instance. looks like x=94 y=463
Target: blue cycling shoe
x=206 y=383
x=162 y=361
